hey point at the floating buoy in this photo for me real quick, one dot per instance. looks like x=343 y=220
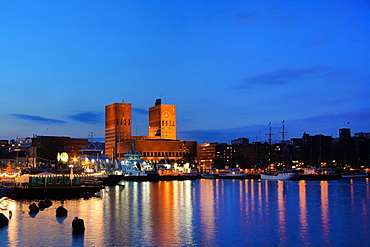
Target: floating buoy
x=3 y=220
x=61 y=211
x=78 y=226
x=33 y=208
x=42 y=204
x=48 y=202
x=86 y=195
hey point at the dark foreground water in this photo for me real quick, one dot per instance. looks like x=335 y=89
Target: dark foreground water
x=203 y=213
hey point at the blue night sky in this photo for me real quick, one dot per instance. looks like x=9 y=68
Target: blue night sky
x=230 y=67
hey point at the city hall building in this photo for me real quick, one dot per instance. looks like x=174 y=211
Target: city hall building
x=160 y=144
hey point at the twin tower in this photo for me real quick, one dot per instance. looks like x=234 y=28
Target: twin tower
x=118 y=124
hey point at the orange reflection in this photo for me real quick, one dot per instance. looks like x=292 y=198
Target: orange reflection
x=207 y=209
x=303 y=212
x=325 y=210
x=281 y=211
x=260 y=211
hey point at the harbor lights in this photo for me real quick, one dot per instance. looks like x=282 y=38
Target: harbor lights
x=71 y=176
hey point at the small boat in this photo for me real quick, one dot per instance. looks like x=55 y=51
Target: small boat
x=110 y=179
x=210 y=175
x=4 y=191
x=231 y=174
x=318 y=174
x=280 y=175
x=354 y=173
x=170 y=172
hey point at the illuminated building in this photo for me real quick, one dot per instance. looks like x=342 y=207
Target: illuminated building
x=162 y=121
x=117 y=127
x=160 y=145
x=46 y=148
x=4 y=145
x=159 y=151
x=216 y=155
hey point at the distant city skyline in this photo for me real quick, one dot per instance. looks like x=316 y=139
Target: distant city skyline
x=230 y=67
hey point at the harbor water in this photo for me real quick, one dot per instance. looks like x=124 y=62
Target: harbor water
x=204 y=212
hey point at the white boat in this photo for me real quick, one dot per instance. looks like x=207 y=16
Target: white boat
x=137 y=169
x=280 y=175
x=231 y=174
x=210 y=175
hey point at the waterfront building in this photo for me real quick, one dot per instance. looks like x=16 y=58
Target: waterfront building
x=20 y=144
x=315 y=151
x=362 y=135
x=240 y=141
x=4 y=145
x=162 y=121
x=344 y=133
x=162 y=150
x=45 y=149
x=216 y=155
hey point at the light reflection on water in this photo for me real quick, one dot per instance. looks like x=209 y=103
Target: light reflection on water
x=204 y=212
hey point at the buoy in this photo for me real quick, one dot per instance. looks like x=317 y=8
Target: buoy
x=78 y=226
x=42 y=204
x=86 y=195
x=33 y=208
x=3 y=220
x=61 y=211
x=48 y=202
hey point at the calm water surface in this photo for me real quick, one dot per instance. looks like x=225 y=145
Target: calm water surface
x=203 y=213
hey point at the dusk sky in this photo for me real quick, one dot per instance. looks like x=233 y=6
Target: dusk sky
x=231 y=67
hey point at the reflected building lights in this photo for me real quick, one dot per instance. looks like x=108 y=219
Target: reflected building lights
x=207 y=202
x=260 y=199
x=325 y=211
x=303 y=212
x=281 y=212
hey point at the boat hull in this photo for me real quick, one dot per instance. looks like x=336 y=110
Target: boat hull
x=52 y=192
x=111 y=180
x=356 y=176
x=180 y=177
x=150 y=178
x=232 y=176
x=280 y=177
x=210 y=176
x=319 y=176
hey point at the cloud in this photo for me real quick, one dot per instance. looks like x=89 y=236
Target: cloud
x=38 y=119
x=87 y=117
x=284 y=76
x=140 y=111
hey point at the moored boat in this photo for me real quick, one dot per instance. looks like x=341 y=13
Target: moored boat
x=231 y=174
x=354 y=173
x=136 y=169
x=280 y=175
x=210 y=175
x=318 y=174
x=169 y=172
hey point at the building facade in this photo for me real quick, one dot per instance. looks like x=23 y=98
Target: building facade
x=117 y=127
x=162 y=126
x=162 y=151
